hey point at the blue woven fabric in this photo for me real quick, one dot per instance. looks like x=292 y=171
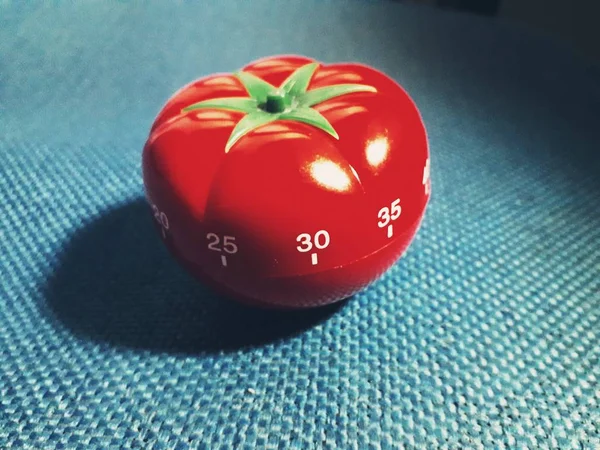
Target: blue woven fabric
x=485 y=335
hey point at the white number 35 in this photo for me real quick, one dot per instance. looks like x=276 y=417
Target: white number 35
x=386 y=214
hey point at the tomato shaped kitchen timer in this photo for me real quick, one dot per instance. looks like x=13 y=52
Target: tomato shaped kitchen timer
x=290 y=183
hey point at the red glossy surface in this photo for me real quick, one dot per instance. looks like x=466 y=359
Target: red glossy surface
x=285 y=179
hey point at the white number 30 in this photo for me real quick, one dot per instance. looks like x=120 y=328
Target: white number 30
x=306 y=241
x=386 y=214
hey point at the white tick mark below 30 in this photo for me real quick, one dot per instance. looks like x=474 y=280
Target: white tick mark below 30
x=314 y=259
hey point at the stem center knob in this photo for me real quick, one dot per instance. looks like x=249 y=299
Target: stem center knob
x=276 y=102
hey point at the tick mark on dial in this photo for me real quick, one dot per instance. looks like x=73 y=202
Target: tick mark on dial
x=224 y=260
x=314 y=259
x=390 y=231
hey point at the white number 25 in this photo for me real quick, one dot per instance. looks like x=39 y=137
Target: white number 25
x=386 y=214
x=215 y=243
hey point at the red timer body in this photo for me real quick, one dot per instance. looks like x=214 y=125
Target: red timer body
x=290 y=183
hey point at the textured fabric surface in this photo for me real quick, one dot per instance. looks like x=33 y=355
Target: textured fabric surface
x=485 y=335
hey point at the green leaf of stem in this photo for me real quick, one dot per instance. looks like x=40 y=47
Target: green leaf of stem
x=243 y=104
x=257 y=87
x=294 y=88
x=247 y=124
x=297 y=83
x=319 y=95
x=311 y=117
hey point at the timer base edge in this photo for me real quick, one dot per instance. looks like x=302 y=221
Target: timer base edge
x=310 y=290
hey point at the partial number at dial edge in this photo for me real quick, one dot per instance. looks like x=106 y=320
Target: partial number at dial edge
x=162 y=220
